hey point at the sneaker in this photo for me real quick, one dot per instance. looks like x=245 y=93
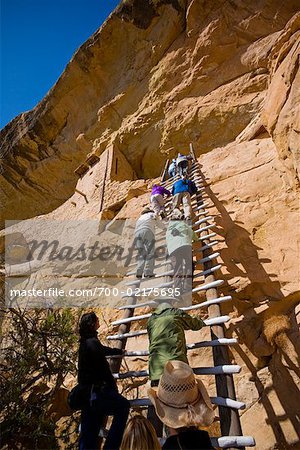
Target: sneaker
x=138 y=275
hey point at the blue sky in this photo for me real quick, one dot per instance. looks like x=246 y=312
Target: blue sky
x=38 y=39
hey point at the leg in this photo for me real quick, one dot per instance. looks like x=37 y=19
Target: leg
x=141 y=254
x=161 y=202
x=187 y=205
x=91 y=420
x=153 y=417
x=150 y=252
x=155 y=421
x=179 y=168
x=176 y=261
x=111 y=403
x=187 y=258
x=177 y=200
x=155 y=205
x=184 y=167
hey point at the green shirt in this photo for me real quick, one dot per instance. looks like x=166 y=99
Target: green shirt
x=179 y=234
x=166 y=336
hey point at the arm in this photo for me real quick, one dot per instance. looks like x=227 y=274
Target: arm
x=195 y=237
x=193 y=188
x=110 y=351
x=191 y=323
x=167 y=192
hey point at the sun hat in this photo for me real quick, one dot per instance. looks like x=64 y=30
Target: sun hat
x=181 y=400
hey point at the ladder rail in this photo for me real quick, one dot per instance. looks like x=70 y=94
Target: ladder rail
x=229 y=417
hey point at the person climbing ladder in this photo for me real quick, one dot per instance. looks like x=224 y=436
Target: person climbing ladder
x=144 y=238
x=157 y=199
x=182 y=191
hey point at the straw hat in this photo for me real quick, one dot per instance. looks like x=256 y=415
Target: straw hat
x=181 y=400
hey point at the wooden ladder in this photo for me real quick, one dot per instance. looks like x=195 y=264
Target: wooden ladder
x=204 y=281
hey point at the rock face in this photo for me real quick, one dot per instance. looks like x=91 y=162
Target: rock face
x=156 y=76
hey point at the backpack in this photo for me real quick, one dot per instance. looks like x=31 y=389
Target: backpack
x=79 y=397
x=192 y=188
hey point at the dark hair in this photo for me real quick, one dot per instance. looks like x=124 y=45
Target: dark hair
x=87 y=325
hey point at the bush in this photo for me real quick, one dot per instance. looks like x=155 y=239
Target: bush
x=38 y=349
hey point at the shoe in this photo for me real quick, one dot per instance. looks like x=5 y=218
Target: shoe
x=149 y=275
x=139 y=276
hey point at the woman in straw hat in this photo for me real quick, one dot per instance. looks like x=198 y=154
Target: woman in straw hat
x=182 y=403
x=140 y=434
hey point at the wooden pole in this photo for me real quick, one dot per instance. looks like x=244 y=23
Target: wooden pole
x=229 y=418
x=164 y=172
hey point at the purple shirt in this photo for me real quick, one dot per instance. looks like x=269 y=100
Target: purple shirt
x=160 y=190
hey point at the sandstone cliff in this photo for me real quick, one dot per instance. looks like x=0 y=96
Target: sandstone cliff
x=156 y=76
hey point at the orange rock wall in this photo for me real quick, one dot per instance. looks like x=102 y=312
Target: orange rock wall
x=155 y=77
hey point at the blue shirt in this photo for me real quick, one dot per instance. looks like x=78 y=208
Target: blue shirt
x=184 y=186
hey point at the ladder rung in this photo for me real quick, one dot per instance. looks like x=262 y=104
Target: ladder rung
x=233 y=441
x=207 y=227
x=219 y=401
x=208 y=271
x=126 y=335
x=213 y=321
x=216 y=320
x=214 y=343
x=204 y=204
x=168 y=261
x=215 y=370
x=146 y=316
x=204 y=287
x=205 y=247
x=130 y=319
x=213 y=301
x=185 y=308
x=208 y=236
x=159 y=275
x=200 y=213
x=203 y=220
x=208 y=258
